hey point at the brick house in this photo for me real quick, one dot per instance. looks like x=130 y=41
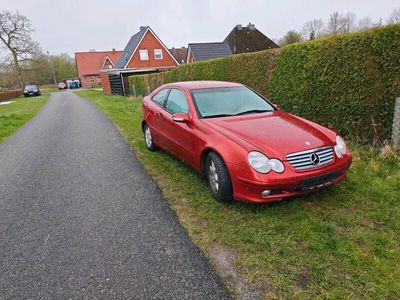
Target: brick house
x=180 y=54
x=89 y=64
x=245 y=39
x=241 y=39
x=144 y=53
x=205 y=51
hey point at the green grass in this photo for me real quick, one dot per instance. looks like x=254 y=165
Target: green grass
x=16 y=114
x=342 y=242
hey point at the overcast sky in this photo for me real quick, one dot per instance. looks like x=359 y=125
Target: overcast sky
x=70 y=26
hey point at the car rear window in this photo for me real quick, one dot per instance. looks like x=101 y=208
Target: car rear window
x=161 y=96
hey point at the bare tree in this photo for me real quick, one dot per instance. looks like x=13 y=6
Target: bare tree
x=367 y=23
x=348 y=22
x=394 y=17
x=339 y=23
x=15 y=34
x=313 y=29
x=292 y=36
x=334 y=24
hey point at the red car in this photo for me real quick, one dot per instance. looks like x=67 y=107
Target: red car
x=246 y=147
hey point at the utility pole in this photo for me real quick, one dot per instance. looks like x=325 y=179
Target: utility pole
x=52 y=68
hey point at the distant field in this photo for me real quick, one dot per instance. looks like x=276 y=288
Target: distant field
x=340 y=243
x=16 y=114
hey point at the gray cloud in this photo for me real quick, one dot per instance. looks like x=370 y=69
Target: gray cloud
x=69 y=26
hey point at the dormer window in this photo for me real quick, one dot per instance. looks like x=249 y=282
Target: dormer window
x=158 y=54
x=144 y=54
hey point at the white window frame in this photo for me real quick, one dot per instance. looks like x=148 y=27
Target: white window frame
x=144 y=54
x=92 y=79
x=158 y=52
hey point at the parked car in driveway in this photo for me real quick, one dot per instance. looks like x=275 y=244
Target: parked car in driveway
x=62 y=85
x=31 y=90
x=73 y=85
x=245 y=146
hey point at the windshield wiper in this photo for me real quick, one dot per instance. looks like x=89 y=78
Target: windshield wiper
x=253 y=111
x=216 y=116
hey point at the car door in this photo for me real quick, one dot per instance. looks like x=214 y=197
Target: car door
x=157 y=114
x=179 y=135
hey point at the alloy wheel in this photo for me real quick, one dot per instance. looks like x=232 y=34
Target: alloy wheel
x=148 y=138
x=213 y=176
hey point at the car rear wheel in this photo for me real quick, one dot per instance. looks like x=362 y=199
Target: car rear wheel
x=148 y=138
x=218 y=178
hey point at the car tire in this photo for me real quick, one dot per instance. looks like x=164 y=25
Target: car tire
x=218 y=178
x=148 y=138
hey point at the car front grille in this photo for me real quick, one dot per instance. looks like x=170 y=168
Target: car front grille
x=311 y=159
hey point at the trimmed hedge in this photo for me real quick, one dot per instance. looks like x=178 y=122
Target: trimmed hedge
x=254 y=70
x=348 y=82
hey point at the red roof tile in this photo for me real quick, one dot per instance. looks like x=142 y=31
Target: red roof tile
x=89 y=63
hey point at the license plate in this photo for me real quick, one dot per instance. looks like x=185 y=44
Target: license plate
x=317 y=181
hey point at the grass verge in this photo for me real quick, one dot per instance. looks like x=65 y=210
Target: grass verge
x=342 y=242
x=14 y=115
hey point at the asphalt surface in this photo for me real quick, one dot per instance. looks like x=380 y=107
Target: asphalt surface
x=80 y=218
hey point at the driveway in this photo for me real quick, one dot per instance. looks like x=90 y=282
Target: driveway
x=80 y=217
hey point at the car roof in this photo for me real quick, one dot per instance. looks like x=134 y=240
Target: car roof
x=202 y=84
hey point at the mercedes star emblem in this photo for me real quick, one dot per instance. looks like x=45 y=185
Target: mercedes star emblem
x=314 y=158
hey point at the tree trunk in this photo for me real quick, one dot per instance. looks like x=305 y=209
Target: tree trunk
x=18 y=69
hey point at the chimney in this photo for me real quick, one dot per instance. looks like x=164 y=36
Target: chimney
x=251 y=26
x=239 y=26
x=143 y=28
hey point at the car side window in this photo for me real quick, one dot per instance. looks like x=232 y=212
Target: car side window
x=176 y=102
x=160 y=97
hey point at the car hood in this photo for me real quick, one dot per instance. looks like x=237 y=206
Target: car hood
x=274 y=133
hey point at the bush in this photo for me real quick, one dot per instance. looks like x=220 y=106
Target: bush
x=348 y=82
x=254 y=70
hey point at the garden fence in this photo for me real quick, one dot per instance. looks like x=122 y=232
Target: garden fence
x=7 y=95
x=137 y=91
x=396 y=126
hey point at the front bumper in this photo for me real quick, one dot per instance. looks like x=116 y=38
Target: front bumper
x=291 y=183
x=31 y=94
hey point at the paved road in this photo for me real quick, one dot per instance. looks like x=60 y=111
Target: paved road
x=80 y=218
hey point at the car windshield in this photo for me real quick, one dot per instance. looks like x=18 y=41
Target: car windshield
x=30 y=87
x=229 y=101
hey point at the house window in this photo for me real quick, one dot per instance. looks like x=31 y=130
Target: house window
x=91 y=79
x=158 y=54
x=144 y=54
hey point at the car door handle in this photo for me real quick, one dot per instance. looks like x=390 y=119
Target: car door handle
x=160 y=115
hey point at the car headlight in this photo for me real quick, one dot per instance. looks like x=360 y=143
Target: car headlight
x=340 y=147
x=263 y=164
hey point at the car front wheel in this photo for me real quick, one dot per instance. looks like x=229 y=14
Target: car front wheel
x=218 y=178
x=148 y=138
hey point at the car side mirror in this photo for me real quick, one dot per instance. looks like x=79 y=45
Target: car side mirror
x=180 y=118
x=277 y=106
